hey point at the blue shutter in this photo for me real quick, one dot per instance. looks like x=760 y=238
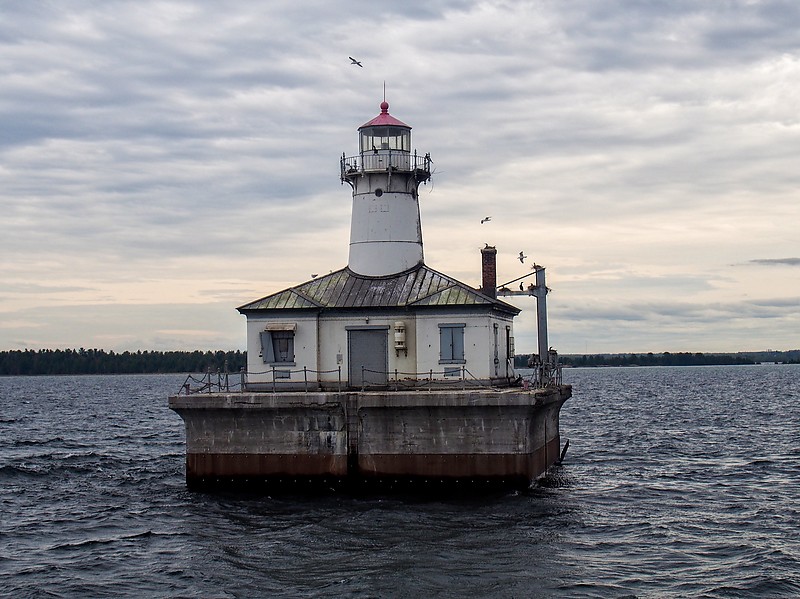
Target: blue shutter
x=451 y=343
x=458 y=343
x=445 y=343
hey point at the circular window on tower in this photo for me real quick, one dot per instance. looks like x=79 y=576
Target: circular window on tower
x=379 y=192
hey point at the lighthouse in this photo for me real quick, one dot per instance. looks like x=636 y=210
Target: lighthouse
x=384 y=373
x=385 y=229
x=386 y=312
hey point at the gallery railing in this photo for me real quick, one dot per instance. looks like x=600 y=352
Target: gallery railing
x=397 y=161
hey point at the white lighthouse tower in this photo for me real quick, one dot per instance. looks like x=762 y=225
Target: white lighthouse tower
x=385 y=230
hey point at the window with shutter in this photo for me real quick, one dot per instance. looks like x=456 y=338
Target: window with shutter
x=277 y=347
x=451 y=343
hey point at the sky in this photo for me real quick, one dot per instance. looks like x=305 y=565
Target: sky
x=162 y=163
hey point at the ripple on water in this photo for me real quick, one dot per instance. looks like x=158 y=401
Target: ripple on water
x=677 y=482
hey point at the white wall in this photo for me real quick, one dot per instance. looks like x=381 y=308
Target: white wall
x=478 y=342
x=333 y=339
x=305 y=346
x=322 y=346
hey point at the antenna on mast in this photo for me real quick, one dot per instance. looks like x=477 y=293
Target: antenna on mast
x=384 y=90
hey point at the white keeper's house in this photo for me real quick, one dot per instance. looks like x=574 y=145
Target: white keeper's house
x=386 y=316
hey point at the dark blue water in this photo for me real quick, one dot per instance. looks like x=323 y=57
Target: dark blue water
x=679 y=482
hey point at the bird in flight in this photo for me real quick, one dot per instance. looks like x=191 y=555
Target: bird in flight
x=486 y=220
x=522 y=257
x=354 y=61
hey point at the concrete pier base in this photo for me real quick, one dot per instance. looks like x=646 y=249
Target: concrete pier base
x=490 y=438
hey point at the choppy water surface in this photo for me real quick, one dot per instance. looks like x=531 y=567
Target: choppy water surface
x=678 y=482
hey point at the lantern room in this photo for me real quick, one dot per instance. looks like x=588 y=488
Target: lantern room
x=384 y=146
x=384 y=133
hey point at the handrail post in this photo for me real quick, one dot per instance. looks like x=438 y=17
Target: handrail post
x=305 y=378
x=463 y=378
x=273 y=379
x=340 y=378
x=430 y=382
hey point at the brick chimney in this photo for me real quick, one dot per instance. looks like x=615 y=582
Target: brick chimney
x=489 y=271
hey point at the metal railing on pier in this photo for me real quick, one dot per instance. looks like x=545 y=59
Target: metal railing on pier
x=282 y=379
x=546 y=370
x=430 y=380
x=544 y=375
x=213 y=382
x=277 y=379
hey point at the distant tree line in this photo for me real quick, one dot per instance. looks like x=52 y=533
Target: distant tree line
x=670 y=359
x=651 y=359
x=98 y=361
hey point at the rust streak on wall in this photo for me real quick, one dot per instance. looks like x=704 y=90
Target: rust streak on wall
x=199 y=465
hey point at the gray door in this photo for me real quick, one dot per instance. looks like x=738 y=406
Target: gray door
x=367 y=357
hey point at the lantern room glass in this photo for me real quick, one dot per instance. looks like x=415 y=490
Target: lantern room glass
x=385 y=138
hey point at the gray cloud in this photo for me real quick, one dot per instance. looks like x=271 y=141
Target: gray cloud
x=776 y=261
x=154 y=150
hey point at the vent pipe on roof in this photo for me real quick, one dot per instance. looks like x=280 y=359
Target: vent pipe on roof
x=489 y=271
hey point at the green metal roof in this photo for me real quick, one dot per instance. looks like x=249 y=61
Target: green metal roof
x=420 y=286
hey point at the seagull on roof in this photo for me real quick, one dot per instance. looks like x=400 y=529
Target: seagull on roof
x=522 y=257
x=354 y=61
x=486 y=220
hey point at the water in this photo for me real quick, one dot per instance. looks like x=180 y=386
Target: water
x=679 y=482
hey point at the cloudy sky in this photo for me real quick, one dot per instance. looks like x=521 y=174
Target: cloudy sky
x=164 y=162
